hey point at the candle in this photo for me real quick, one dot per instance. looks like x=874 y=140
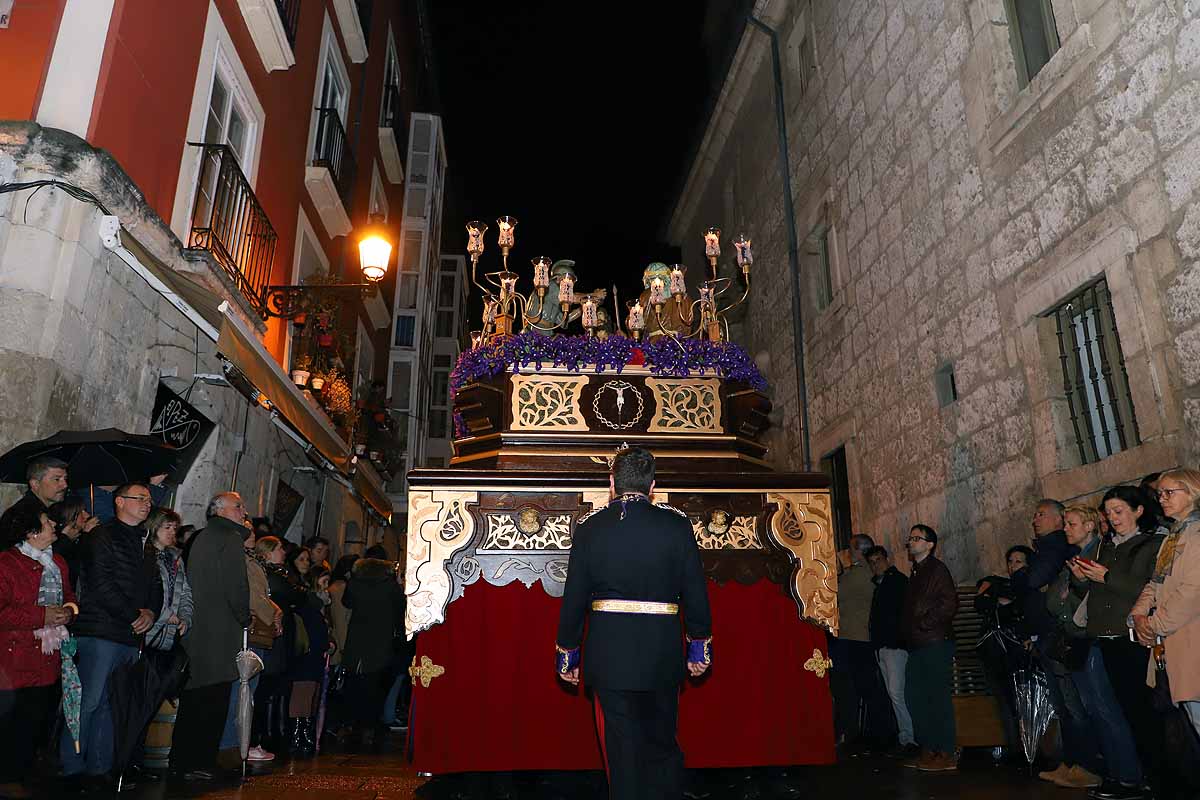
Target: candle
x=712 y=242
x=589 y=313
x=541 y=272
x=508 y=227
x=657 y=292
x=566 y=289
x=508 y=287
x=475 y=232
x=637 y=320
x=489 y=312
x=745 y=256
x=678 y=284
x=706 y=296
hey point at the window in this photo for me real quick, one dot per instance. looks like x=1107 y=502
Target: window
x=944 y=385
x=379 y=201
x=442 y=360
x=1033 y=34
x=834 y=466
x=227 y=121
x=816 y=264
x=408 y=290
x=1094 y=378
x=333 y=89
x=804 y=64
x=444 y=325
x=406 y=325
x=390 y=107
x=441 y=387
x=446 y=290
x=437 y=423
x=401 y=389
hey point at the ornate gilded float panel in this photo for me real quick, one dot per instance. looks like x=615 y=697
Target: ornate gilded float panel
x=439 y=525
x=802 y=525
x=686 y=405
x=548 y=403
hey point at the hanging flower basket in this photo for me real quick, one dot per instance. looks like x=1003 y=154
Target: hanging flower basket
x=300 y=376
x=325 y=340
x=317 y=383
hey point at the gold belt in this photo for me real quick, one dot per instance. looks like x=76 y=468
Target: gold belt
x=634 y=607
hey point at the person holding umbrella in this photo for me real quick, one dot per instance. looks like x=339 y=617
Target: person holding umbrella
x=221 y=595
x=47 y=480
x=119 y=589
x=36 y=603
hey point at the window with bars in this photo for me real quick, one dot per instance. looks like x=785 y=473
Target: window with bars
x=1034 y=36
x=816 y=263
x=1095 y=382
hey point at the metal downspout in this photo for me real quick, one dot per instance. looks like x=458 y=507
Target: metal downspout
x=789 y=214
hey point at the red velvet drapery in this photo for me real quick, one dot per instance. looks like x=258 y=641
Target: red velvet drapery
x=498 y=705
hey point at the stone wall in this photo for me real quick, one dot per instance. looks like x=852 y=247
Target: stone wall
x=84 y=340
x=962 y=209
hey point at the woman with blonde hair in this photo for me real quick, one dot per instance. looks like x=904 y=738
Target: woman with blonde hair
x=1168 y=609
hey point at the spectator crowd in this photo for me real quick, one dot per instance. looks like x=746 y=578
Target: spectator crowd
x=1101 y=614
x=114 y=578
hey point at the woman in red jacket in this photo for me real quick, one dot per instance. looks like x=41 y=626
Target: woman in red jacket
x=36 y=603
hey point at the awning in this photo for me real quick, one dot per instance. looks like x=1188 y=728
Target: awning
x=370 y=487
x=244 y=350
x=192 y=298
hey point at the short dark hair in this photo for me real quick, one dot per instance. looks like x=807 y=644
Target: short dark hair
x=877 y=550
x=1018 y=548
x=1052 y=504
x=858 y=537
x=376 y=551
x=927 y=532
x=315 y=574
x=64 y=512
x=125 y=487
x=38 y=468
x=341 y=570
x=23 y=519
x=313 y=541
x=633 y=470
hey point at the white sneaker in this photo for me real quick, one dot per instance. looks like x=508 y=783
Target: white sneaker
x=258 y=754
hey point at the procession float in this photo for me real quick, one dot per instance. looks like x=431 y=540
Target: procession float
x=538 y=413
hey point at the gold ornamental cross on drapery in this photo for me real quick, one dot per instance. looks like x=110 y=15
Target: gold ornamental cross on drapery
x=426 y=672
x=818 y=663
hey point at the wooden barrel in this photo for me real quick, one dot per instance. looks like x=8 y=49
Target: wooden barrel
x=158 y=736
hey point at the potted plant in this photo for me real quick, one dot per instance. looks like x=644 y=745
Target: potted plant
x=301 y=369
x=318 y=381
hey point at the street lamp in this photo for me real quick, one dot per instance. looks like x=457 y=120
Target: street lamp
x=374 y=253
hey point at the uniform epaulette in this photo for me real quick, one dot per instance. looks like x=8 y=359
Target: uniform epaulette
x=589 y=515
x=671 y=508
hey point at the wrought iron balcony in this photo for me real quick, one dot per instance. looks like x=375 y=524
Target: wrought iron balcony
x=395 y=118
x=228 y=221
x=332 y=151
x=289 y=13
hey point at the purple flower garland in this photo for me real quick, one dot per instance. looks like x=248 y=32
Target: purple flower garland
x=675 y=358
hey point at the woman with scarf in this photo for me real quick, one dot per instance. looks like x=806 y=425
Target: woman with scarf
x=1168 y=610
x=275 y=687
x=307 y=670
x=36 y=604
x=175 y=617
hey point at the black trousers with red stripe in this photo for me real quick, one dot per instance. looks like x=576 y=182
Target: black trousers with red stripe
x=637 y=737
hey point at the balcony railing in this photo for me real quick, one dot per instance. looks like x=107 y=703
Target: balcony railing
x=394 y=118
x=333 y=152
x=228 y=221
x=289 y=12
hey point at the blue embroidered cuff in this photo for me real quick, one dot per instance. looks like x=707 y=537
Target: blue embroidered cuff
x=699 y=651
x=565 y=660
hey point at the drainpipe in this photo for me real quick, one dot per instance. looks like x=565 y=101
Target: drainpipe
x=789 y=215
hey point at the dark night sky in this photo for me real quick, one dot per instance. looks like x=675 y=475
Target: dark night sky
x=578 y=119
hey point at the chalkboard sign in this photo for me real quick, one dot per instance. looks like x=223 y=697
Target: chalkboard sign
x=180 y=425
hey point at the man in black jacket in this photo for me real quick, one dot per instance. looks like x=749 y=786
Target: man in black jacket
x=633 y=564
x=886 y=604
x=47 y=479
x=119 y=595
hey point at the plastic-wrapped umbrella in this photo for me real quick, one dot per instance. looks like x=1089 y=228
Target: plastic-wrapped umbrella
x=248 y=665
x=1034 y=709
x=324 y=697
x=72 y=689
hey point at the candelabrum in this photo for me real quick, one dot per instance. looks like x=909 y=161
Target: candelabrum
x=554 y=303
x=704 y=318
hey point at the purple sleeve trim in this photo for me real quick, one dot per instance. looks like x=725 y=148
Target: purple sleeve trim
x=699 y=651
x=566 y=660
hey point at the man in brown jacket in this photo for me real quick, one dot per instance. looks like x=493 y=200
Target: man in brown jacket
x=926 y=630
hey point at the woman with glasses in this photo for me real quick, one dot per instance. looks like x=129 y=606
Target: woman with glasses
x=1169 y=607
x=1112 y=583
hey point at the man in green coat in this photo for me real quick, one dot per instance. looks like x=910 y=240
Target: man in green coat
x=221 y=594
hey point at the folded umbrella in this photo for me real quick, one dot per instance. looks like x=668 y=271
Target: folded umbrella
x=248 y=665
x=1034 y=710
x=105 y=457
x=72 y=688
x=136 y=690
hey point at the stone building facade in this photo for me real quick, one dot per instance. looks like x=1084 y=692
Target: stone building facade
x=953 y=196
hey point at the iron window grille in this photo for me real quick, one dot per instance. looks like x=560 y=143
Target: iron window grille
x=289 y=14
x=228 y=221
x=332 y=151
x=1095 y=381
x=393 y=117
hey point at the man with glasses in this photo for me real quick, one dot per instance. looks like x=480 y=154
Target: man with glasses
x=926 y=629
x=123 y=591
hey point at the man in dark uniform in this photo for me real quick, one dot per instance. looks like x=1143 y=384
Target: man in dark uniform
x=634 y=564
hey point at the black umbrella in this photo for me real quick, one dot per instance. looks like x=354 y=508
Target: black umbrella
x=136 y=690
x=106 y=457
